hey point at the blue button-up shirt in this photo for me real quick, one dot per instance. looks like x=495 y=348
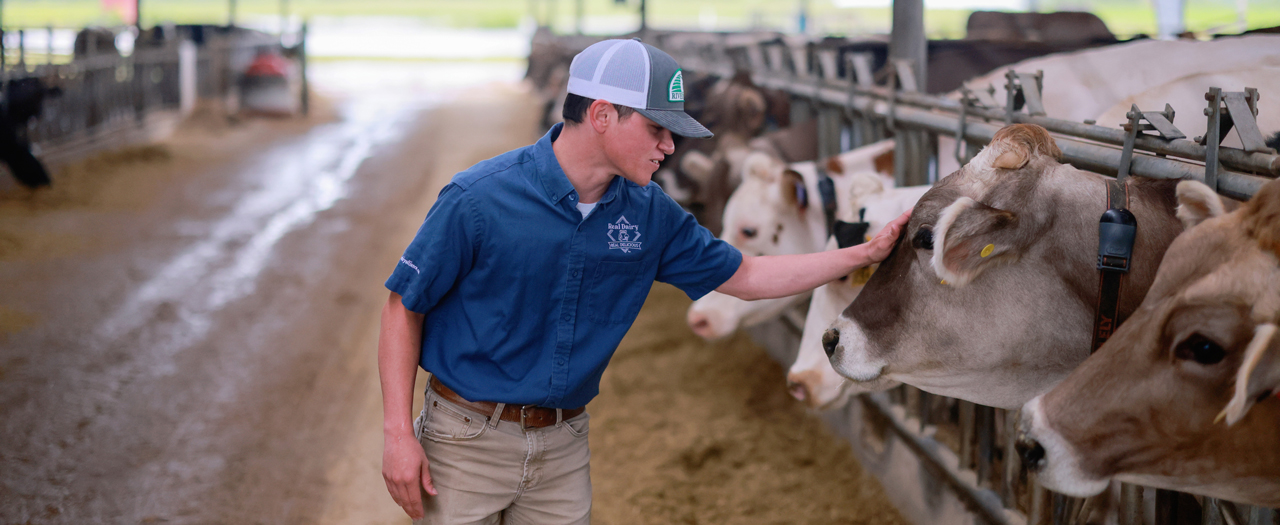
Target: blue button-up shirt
x=525 y=301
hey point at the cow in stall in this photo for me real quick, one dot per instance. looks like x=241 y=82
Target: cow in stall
x=778 y=210
x=1183 y=395
x=811 y=380
x=1083 y=85
x=703 y=172
x=23 y=101
x=990 y=293
x=1066 y=27
x=93 y=42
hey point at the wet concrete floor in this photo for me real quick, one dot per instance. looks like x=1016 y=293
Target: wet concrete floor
x=188 y=332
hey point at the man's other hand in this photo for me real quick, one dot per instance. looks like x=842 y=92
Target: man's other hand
x=404 y=468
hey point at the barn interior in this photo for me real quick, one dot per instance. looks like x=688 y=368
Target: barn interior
x=200 y=201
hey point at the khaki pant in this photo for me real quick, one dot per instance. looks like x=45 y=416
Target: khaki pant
x=490 y=474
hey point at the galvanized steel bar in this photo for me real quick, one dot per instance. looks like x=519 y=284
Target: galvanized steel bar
x=986 y=508
x=1265 y=164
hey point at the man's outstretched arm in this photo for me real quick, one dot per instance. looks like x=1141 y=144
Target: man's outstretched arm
x=770 y=276
x=404 y=465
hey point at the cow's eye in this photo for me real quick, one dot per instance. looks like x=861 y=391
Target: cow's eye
x=1200 y=348
x=749 y=233
x=923 y=239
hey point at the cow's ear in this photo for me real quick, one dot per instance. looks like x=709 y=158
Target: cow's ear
x=751 y=108
x=1013 y=147
x=884 y=162
x=970 y=237
x=1259 y=375
x=697 y=165
x=1262 y=217
x=1197 y=202
x=794 y=190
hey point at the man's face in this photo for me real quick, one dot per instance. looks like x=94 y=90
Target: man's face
x=636 y=145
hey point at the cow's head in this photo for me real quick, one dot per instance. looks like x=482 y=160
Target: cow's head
x=1183 y=395
x=811 y=379
x=777 y=210
x=988 y=295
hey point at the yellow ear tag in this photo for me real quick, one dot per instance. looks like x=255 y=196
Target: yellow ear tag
x=986 y=250
x=860 y=276
x=944 y=281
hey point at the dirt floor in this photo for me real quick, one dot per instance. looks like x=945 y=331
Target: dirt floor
x=187 y=335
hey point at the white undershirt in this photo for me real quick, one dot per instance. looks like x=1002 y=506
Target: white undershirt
x=585 y=208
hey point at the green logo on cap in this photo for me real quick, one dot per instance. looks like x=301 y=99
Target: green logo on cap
x=675 y=89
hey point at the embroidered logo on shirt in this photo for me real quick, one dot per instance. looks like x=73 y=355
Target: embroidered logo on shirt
x=410 y=264
x=624 y=236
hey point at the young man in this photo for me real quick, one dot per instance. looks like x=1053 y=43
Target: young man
x=527 y=272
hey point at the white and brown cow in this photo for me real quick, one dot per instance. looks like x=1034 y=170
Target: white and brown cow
x=811 y=379
x=776 y=210
x=991 y=292
x=1183 y=396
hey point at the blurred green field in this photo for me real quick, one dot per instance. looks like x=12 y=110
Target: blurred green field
x=1124 y=17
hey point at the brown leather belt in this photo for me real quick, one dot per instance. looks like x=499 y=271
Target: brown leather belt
x=529 y=416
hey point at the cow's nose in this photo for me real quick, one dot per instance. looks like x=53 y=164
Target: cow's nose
x=830 y=339
x=1031 y=452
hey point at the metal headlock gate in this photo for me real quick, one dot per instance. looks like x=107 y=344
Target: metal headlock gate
x=105 y=100
x=964 y=448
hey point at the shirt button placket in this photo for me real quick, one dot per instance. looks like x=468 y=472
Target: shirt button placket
x=564 y=332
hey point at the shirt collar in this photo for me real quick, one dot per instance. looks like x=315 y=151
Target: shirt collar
x=554 y=181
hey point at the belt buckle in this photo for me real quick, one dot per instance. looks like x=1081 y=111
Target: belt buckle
x=523 y=418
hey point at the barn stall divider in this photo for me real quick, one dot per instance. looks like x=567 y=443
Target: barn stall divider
x=945 y=460
x=99 y=98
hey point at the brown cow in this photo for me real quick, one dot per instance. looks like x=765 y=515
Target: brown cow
x=1066 y=27
x=991 y=292
x=1183 y=395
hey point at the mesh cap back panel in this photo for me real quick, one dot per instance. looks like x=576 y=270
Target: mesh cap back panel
x=584 y=65
x=612 y=70
x=626 y=69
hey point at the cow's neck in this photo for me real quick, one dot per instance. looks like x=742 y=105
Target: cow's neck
x=1152 y=203
x=814 y=216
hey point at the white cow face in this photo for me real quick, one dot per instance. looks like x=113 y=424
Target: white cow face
x=767 y=213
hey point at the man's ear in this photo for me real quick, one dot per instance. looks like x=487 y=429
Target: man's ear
x=971 y=237
x=601 y=114
x=1259 y=375
x=1197 y=202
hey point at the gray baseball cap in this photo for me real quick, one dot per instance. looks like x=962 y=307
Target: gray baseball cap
x=637 y=75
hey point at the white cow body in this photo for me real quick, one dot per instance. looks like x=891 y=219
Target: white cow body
x=762 y=217
x=811 y=379
x=1186 y=95
x=1084 y=84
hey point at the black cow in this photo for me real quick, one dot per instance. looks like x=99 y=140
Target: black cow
x=23 y=101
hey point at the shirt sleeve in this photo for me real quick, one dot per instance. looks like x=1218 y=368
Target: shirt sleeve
x=441 y=253
x=694 y=260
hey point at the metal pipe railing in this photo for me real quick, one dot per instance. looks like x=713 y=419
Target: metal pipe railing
x=999 y=483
